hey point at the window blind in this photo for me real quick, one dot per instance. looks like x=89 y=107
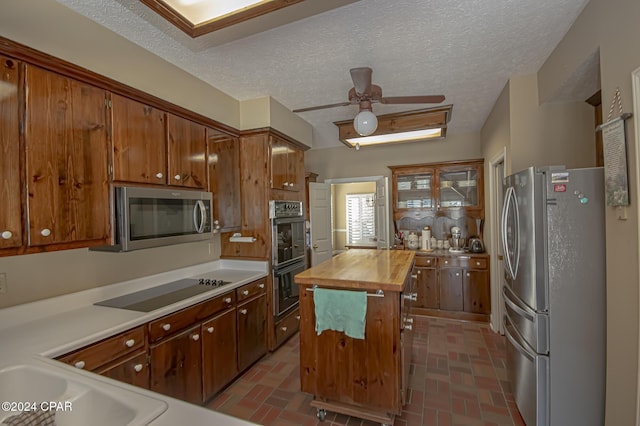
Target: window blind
x=361 y=227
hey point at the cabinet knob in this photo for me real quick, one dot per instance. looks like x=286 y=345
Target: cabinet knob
x=298 y=317
x=159 y=175
x=477 y=263
x=45 y=232
x=411 y=296
x=408 y=320
x=291 y=185
x=6 y=235
x=227 y=300
x=284 y=329
x=446 y=262
x=408 y=326
x=129 y=343
x=79 y=364
x=166 y=327
x=457 y=274
x=246 y=292
x=138 y=368
x=419 y=272
x=210 y=329
x=195 y=337
x=468 y=274
x=261 y=285
x=243 y=311
x=286 y=184
x=177 y=177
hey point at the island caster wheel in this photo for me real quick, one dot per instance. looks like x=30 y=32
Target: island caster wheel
x=321 y=414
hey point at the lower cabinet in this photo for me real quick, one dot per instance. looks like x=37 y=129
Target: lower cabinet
x=133 y=370
x=219 y=349
x=455 y=286
x=176 y=366
x=252 y=331
x=288 y=326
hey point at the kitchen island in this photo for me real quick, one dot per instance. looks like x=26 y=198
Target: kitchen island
x=362 y=377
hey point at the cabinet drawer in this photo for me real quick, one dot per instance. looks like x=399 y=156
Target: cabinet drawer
x=426 y=261
x=287 y=327
x=454 y=261
x=478 y=263
x=249 y=290
x=177 y=321
x=101 y=353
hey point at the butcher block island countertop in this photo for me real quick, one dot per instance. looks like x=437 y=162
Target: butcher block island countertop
x=362 y=269
x=362 y=377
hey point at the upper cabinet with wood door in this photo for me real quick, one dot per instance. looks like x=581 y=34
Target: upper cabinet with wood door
x=139 y=142
x=223 y=161
x=10 y=216
x=287 y=165
x=186 y=152
x=66 y=159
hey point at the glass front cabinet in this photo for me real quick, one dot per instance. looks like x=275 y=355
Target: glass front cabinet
x=421 y=190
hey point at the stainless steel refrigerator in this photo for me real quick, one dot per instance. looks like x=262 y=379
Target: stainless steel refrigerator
x=553 y=238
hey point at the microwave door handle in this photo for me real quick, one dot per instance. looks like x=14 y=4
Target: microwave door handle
x=199 y=224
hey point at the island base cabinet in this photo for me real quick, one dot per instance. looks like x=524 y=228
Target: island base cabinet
x=176 y=366
x=365 y=374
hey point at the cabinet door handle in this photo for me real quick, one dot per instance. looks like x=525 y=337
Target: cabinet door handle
x=177 y=177
x=6 y=235
x=195 y=337
x=411 y=296
x=243 y=311
x=261 y=285
x=246 y=292
x=284 y=329
x=415 y=276
x=45 y=232
x=227 y=300
x=79 y=364
x=138 y=368
x=210 y=329
x=166 y=327
x=159 y=175
x=129 y=343
x=408 y=327
x=408 y=320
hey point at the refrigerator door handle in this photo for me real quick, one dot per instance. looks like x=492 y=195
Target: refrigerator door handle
x=510 y=202
x=515 y=307
x=530 y=356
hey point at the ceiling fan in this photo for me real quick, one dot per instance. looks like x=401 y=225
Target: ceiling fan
x=363 y=94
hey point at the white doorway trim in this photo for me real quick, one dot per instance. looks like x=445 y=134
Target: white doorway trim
x=498 y=160
x=635 y=81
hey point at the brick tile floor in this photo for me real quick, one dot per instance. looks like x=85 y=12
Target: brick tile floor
x=457 y=377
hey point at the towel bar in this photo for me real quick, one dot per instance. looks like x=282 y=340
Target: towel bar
x=378 y=293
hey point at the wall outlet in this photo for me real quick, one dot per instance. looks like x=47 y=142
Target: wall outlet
x=3 y=283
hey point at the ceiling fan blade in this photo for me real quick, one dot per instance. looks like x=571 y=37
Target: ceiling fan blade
x=322 y=107
x=361 y=79
x=428 y=99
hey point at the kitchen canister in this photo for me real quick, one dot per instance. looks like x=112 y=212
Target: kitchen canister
x=426 y=238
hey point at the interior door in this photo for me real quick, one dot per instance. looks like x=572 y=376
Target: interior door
x=382 y=213
x=320 y=220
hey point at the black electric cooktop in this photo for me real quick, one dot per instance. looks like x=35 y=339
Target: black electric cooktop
x=157 y=297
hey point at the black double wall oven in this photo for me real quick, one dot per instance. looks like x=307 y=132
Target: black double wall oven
x=288 y=248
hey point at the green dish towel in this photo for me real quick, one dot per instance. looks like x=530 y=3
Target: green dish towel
x=341 y=310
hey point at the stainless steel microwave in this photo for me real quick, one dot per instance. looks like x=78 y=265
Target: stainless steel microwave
x=153 y=217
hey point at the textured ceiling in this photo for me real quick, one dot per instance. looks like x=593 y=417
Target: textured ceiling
x=464 y=49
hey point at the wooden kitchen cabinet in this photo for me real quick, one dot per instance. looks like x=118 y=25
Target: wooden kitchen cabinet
x=139 y=142
x=287 y=165
x=223 y=162
x=10 y=178
x=453 y=286
x=133 y=370
x=122 y=357
x=186 y=147
x=219 y=353
x=252 y=337
x=421 y=190
x=66 y=160
x=176 y=366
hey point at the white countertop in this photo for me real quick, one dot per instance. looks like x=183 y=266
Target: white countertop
x=33 y=332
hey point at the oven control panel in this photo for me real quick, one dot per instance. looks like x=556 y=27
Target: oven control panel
x=279 y=209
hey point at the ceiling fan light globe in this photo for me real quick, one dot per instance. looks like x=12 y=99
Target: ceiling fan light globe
x=365 y=123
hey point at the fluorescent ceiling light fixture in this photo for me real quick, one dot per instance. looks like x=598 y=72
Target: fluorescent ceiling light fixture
x=397 y=137
x=200 y=11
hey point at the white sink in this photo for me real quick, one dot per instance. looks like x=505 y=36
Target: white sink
x=80 y=400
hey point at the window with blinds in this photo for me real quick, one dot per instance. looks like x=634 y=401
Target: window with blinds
x=361 y=223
